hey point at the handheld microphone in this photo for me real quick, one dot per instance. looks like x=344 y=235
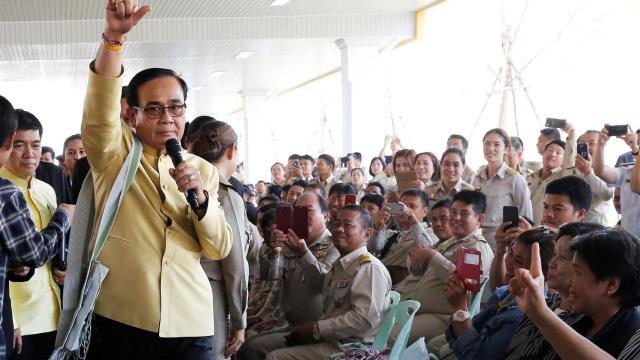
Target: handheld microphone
x=174 y=150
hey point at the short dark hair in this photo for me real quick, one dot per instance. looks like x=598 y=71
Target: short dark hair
x=318 y=187
x=377 y=184
x=560 y=143
x=308 y=157
x=465 y=142
x=546 y=240
x=357 y=155
x=275 y=190
x=68 y=140
x=576 y=189
x=551 y=133
x=420 y=194
x=373 y=199
x=286 y=187
x=357 y=169
x=613 y=253
x=516 y=143
x=272 y=199
x=8 y=120
x=364 y=217
x=456 y=151
x=303 y=184
x=294 y=157
x=322 y=202
x=342 y=189
x=48 y=149
x=144 y=76
x=444 y=203
x=574 y=229
x=266 y=220
x=123 y=92
x=328 y=159
x=381 y=159
x=476 y=199
x=28 y=121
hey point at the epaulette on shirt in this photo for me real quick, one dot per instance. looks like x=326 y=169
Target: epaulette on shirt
x=364 y=259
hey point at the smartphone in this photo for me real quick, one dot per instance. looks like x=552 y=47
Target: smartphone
x=300 y=221
x=344 y=161
x=396 y=208
x=404 y=180
x=295 y=163
x=284 y=217
x=350 y=199
x=388 y=159
x=60 y=260
x=556 y=123
x=469 y=268
x=583 y=150
x=617 y=130
x=510 y=214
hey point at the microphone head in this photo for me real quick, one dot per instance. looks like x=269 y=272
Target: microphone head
x=174 y=150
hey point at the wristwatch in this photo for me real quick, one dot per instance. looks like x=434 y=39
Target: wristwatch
x=316 y=332
x=461 y=316
x=636 y=152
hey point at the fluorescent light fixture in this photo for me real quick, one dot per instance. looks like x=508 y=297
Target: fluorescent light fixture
x=244 y=55
x=217 y=73
x=198 y=88
x=279 y=2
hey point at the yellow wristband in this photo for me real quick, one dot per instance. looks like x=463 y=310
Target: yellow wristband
x=113 y=47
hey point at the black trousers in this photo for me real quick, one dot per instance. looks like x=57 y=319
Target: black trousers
x=36 y=347
x=113 y=340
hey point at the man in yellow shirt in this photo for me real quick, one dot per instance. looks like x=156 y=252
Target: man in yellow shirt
x=35 y=303
x=156 y=301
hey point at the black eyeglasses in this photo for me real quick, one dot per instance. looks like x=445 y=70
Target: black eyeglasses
x=156 y=111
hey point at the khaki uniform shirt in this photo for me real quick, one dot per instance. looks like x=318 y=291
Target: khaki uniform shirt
x=430 y=288
x=468 y=174
x=303 y=278
x=507 y=187
x=155 y=282
x=437 y=192
x=399 y=252
x=358 y=296
x=326 y=184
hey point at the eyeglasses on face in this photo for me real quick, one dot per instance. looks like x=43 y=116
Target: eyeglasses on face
x=156 y=111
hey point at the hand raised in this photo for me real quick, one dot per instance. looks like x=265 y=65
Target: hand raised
x=122 y=16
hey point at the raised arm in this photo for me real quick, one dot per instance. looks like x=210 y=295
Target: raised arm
x=570 y=148
x=602 y=171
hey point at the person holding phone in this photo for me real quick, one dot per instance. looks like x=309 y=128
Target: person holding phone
x=393 y=246
x=450 y=183
x=488 y=334
x=217 y=142
x=558 y=160
x=501 y=184
x=301 y=264
x=626 y=177
x=431 y=267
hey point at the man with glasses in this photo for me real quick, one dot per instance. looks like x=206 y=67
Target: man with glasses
x=156 y=301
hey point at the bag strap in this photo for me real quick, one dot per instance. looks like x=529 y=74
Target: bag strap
x=116 y=195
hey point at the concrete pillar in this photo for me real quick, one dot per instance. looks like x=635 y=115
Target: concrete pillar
x=362 y=95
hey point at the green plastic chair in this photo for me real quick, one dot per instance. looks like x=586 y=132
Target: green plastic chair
x=399 y=315
x=395 y=298
x=474 y=307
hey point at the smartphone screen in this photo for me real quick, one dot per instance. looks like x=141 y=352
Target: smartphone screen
x=583 y=150
x=556 y=123
x=396 y=208
x=300 y=223
x=284 y=217
x=510 y=214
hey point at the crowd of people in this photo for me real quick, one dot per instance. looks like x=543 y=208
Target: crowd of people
x=215 y=275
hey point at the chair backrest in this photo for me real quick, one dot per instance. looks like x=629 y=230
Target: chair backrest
x=395 y=298
x=474 y=307
x=400 y=315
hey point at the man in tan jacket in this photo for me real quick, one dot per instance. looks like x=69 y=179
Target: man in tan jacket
x=156 y=299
